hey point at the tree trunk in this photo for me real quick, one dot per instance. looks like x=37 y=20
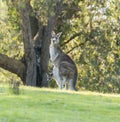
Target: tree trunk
x=30 y=56
x=42 y=53
x=46 y=35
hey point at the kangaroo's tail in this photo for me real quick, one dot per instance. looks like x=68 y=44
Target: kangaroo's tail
x=74 y=81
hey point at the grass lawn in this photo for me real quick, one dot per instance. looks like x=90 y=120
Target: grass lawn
x=47 y=105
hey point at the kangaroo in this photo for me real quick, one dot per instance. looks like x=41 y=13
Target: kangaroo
x=64 y=68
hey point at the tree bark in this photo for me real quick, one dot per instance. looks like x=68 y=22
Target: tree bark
x=42 y=52
x=30 y=56
x=45 y=50
x=13 y=65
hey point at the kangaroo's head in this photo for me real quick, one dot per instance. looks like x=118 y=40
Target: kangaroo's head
x=55 y=38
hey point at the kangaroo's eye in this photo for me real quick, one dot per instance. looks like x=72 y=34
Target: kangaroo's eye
x=57 y=38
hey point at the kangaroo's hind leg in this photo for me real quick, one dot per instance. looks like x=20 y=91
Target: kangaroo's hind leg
x=57 y=77
x=72 y=85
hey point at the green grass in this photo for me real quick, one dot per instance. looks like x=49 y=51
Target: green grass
x=47 y=105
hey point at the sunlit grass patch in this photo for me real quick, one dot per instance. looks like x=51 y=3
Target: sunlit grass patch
x=51 y=105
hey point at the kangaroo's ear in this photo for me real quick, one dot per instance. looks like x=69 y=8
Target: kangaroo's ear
x=53 y=34
x=59 y=34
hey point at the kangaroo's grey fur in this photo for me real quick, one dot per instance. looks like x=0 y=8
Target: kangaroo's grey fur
x=64 y=70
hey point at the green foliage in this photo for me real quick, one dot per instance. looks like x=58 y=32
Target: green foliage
x=95 y=46
x=44 y=9
x=11 y=39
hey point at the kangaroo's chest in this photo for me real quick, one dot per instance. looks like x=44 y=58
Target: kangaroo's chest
x=53 y=53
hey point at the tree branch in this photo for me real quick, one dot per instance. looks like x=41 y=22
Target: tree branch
x=75 y=47
x=72 y=37
x=33 y=20
x=12 y=65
